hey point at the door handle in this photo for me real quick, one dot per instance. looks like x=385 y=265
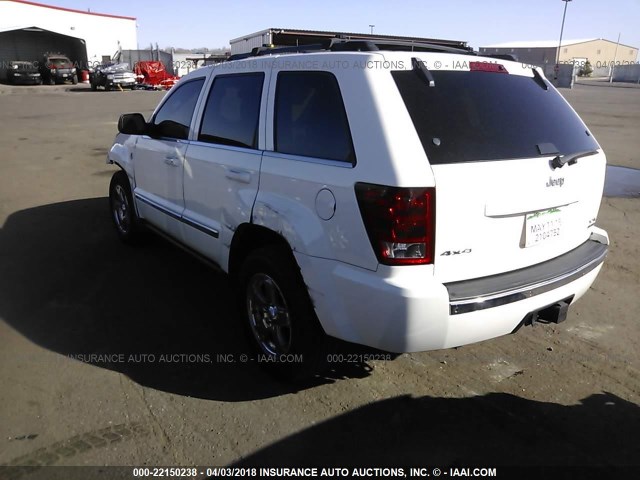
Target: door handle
x=172 y=161
x=239 y=175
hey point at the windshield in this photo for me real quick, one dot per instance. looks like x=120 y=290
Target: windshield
x=60 y=62
x=476 y=116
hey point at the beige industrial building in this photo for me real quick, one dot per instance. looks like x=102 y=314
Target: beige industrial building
x=598 y=51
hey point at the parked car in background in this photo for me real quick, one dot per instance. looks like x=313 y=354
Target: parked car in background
x=57 y=68
x=23 y=73
x=112 y=75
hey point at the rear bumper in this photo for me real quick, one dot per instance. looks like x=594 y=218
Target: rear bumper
x=124 y=82
x=496 y=290
x=63 y=75
x=25 y=80
x=402 y=309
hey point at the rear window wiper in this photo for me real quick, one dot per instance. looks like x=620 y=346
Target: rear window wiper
x=417 y=64
x=539 y=80
x=570 y=158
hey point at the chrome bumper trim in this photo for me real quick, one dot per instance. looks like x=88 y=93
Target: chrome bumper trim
x=493 y=291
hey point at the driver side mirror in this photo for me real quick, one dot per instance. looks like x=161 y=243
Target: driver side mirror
x=132 y=124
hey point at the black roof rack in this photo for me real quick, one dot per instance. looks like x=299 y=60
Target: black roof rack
x=501 y=56
x=344 y=45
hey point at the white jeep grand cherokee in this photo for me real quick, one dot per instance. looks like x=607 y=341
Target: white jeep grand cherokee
x=404 y=200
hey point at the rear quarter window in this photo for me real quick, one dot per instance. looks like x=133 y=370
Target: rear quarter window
x=479 y=116
x=310 y=119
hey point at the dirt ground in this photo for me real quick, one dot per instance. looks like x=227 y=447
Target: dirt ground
x=567 y=394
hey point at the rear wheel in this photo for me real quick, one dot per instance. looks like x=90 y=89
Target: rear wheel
x=74 y=79
x=123 y=212
x=277 y=311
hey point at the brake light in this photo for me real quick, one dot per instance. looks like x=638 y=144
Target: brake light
x=487 y=67
x=400 y=222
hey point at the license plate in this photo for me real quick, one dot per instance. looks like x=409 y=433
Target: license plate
x=543 y=227
x=65 y=74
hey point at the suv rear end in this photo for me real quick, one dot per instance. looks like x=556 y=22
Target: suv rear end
x=478 y=189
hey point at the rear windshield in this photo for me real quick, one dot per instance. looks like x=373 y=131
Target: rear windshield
x=476 y=116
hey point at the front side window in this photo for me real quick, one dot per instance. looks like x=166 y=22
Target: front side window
x=310 y=119
x=232 y=113
x=174 y=117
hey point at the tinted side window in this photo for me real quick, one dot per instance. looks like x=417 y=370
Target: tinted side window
x=310 y=119
x=174 y=117
x=233 y=110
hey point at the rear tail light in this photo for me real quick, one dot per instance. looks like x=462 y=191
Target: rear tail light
x=400 y=222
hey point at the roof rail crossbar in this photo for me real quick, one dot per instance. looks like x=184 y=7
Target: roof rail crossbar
x=260 y=51
x=264 y=50
x=501 y=56
x=340 y=44
x=423 y=46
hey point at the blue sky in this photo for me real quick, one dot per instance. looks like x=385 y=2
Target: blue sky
x=210 y=23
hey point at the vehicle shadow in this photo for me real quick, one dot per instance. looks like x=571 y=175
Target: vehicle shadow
x=483 y=431
x=85 y=88
x=153 y=313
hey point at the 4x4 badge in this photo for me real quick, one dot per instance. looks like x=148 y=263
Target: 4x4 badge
x=455 y=252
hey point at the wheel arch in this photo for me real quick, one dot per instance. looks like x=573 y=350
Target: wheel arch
x=249 y=237
x=121 y=154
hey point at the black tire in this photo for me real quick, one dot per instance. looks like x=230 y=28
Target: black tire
x=123 y=212
x=74 y=79
x=281 y=323
x=107 y=87
x=52 y=81
x=94 y=87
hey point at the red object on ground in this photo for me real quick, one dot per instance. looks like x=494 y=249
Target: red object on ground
x=155 y=74
x=84 y=76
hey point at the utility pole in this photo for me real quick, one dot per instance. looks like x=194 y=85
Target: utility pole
x=615 y=56
x=371 y=27
x=566 y=2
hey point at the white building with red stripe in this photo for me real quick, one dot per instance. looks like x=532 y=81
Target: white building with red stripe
x=29 y=29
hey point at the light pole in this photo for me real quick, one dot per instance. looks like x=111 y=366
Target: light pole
x=566 y=2
x=371 y=27
x=615 y=56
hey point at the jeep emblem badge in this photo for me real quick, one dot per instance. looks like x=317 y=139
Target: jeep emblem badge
x=553 y=182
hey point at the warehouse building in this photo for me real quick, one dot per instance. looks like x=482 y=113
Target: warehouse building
x=29 y=29
x=598 y=51
x=286 y=37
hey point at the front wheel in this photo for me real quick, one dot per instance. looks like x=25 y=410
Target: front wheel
x=123 y=212
x=275 y=306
